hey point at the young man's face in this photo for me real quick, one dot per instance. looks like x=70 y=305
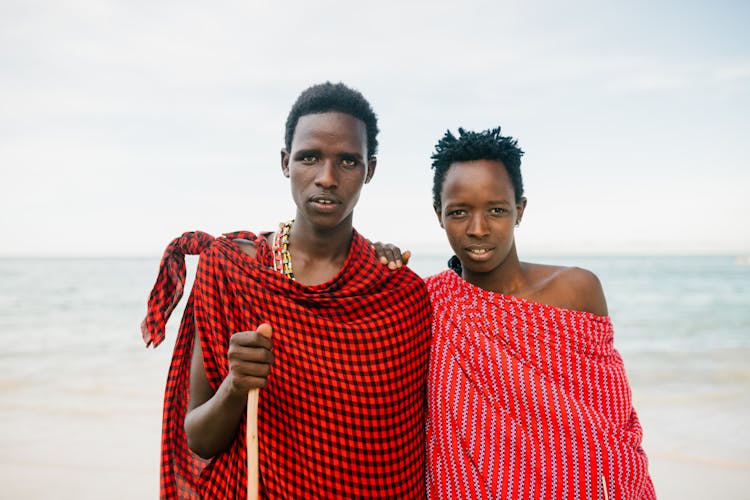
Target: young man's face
x=327 y=166
x=478 y=212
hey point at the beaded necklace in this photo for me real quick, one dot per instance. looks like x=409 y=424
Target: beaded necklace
x=282 y=259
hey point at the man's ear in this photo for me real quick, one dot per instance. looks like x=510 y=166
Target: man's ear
x=371 y=164
x=439 y=214
x=520 y=207
x=285 y=162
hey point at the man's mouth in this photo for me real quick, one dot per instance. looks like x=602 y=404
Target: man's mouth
x=324 y=203
x=478 y=251
x=324 y=200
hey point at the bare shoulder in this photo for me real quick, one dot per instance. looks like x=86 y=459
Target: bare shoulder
x=570 y=287
x=585 y=290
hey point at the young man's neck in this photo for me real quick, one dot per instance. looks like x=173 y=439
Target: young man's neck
x=321 y=244
x=508 y=278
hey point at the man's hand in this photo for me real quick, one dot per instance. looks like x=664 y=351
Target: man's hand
x=250 y=359
x=391 y=255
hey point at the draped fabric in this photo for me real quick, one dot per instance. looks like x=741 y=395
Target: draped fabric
x=343 y=412
x=527 y=401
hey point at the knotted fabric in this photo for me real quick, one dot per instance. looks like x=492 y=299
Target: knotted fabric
x=170 y=283
x=527 y=401
x=343 y=411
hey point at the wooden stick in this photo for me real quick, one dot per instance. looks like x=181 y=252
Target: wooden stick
x=253 y=475
x=253 y=464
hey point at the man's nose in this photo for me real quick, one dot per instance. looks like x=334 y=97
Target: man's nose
x=478 y=226
x=326 y=177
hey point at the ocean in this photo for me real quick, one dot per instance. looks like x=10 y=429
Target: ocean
x=81 y=397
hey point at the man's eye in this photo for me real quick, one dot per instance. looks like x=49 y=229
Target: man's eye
x=309 y=159
x=456 y=213
x=348 y=163
x=498 y=210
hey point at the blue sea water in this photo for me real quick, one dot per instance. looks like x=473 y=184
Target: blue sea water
x=676 y=304
x=71 y=348
x=685 y=304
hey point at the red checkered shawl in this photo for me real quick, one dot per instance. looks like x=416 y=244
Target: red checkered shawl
x=527 y=401
x=343 y=413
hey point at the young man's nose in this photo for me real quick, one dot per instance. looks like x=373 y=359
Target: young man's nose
x=478 y=226
x=326 y=177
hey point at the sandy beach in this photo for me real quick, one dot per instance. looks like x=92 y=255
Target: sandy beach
x=84 y=437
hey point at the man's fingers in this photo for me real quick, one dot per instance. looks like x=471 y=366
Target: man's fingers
x=260 y=370
x=395 y=257
x=250 y=357
x=248 y=382
x=250 y=354
x=251 y=339
x=406 y=256
x=265 y=330
x=391 y=255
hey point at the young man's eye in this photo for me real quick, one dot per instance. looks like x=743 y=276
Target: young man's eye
x=498 y=211
x=309 y=159
x=456 y=213
x=348 y=163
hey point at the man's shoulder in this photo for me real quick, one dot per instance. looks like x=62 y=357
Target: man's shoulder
x=404 y=276
x=369 y=257
x=571 y=288
x=229 y=245
x=248 y=246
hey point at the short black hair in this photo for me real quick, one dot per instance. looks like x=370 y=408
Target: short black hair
x=471 y=146
x=325 y=97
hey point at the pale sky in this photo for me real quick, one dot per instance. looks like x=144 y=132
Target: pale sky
x=123 y=124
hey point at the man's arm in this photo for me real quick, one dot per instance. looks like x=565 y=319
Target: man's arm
x=213 y=418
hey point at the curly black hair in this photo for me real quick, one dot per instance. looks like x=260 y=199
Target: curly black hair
x=470 y=146
x=328 y=96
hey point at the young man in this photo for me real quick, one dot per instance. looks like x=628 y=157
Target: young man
x=341 y=410
x=527 y=396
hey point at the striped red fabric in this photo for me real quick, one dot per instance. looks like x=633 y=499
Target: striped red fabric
x=527 y=401
x=343 y=413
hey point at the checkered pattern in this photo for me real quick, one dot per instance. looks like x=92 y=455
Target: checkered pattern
x=527 y=401
x=343 y=413
x=170 y=283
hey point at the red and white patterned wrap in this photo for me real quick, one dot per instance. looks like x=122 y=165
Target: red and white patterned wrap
x=527 y=401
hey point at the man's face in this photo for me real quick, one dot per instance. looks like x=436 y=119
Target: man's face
x=327 y=166
x=478 y=212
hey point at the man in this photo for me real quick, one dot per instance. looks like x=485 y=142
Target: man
x=341 y=410
x=527 y=395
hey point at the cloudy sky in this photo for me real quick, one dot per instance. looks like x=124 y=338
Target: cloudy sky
x=123 y=124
